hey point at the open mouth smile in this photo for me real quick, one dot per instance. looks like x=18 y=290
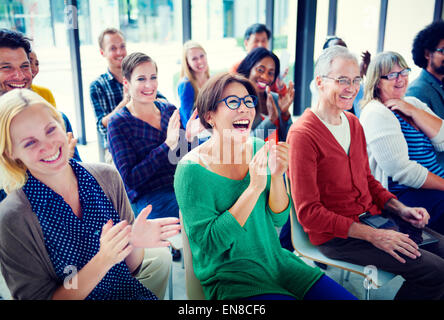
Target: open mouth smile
x=54 y=157
x=241 y=124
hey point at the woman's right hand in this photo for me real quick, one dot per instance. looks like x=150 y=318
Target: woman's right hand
x=273 y=113
x=173 y=130
x=258 y=169
x=394 y=242
x=114 y=243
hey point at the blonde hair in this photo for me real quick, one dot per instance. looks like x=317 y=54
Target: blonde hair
x=186 y=70
x=380 y=65
x=13 y=172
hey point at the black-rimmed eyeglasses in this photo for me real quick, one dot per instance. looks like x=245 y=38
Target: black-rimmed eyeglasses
x=395 y=75
x=233 y=102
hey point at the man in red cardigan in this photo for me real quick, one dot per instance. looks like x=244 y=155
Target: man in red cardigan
x=332 y=185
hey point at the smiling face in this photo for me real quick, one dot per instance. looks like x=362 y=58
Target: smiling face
x=15 y=70
x=331 y=92
x=393 y=89
x=142 y=86
x=197 y=60
x=263 y=73
x=230 y=123
x=114 y=50
x=39 y=141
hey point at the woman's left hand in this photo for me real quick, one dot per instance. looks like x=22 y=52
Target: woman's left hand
x=278 y=158
x=286 y=100
x=153 y=233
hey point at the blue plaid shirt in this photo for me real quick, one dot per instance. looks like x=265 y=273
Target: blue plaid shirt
x=105 y=93
x=140 y=153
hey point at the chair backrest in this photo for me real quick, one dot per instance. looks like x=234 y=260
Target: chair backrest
x=299 y=238
x=193 y=286
x=304 y=248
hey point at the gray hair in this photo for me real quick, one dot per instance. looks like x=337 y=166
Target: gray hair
x=323 y=64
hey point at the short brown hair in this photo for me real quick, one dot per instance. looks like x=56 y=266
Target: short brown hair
x=211 y=93
x=108 y=31
x=131 y=61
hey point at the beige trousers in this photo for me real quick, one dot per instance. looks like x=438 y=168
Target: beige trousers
x=155 y=270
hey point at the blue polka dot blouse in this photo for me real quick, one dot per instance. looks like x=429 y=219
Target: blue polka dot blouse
x=72 y=242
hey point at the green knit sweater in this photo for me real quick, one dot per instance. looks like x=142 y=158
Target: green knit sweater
x=232 y=261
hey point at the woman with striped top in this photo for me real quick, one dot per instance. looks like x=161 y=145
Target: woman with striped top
x=403 y=135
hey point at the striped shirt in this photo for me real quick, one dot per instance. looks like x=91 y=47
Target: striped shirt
x=420 y=149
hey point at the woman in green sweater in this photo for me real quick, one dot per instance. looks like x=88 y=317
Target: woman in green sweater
x=231 y=193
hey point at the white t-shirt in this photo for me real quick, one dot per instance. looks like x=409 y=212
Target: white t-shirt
x=341 y=132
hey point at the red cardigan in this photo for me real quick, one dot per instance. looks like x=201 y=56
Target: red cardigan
x=330 y=189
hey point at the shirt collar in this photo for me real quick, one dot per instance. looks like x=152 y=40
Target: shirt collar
x=439 y=82
x=110 y=76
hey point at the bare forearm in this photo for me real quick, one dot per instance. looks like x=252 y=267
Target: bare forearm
x=360 y=231
x=278 y=197
x=84 y=281
x=395 y=206
x=433 y=182
x=428 y=123
x=134 y=259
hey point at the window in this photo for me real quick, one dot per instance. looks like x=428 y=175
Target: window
x=405 y=18
x=357 y=24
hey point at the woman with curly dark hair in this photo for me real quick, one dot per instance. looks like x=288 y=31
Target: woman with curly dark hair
x=428 y=54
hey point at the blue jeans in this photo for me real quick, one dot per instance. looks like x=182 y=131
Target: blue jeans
x=323 y=289
x=285 y=236
x=431 y=200
x=163 y=201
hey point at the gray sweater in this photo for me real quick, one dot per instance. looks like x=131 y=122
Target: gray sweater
x=24 y=260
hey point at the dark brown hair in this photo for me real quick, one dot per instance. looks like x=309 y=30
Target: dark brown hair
x=211 y=93
x=131 y=61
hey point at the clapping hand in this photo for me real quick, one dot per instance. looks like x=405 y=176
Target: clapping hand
x=365 y=56
x=271 y=106
x=258 y=169
x=286 y=100
x=114 y=242
x=153 y=233
x=278 y=158
x=194 y=126
x=173 y=130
